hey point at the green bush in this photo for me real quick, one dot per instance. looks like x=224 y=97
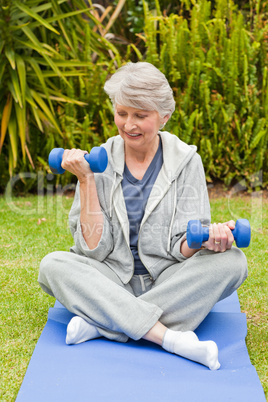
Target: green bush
x=52 y=69
x=55 y=58
x=216 y=63
x=27 y=61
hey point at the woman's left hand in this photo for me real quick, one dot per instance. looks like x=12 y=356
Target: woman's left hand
x=220 y=236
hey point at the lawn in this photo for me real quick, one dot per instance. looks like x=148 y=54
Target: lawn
x=33 y=226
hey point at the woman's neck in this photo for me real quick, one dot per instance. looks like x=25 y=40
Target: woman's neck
x=142 y=156
x=139 y=161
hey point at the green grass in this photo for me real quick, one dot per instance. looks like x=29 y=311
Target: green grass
x=253 y=293
x=33 y=226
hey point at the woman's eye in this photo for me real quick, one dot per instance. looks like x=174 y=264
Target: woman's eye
x=138 y=116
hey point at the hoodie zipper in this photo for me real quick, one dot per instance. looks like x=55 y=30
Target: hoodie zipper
x=112 y=204
x=127 y=242
x=170 y=229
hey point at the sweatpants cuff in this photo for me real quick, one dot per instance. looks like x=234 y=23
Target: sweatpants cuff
x=147 y=325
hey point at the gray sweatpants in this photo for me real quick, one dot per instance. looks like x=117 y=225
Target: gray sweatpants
x=180 y=298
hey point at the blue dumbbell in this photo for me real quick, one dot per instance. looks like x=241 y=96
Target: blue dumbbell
x=97 y=160
x=197 y=234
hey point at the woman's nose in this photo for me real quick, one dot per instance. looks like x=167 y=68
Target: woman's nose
x=129 y=124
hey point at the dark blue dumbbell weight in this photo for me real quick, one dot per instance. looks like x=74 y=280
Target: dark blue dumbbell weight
x=197 y=234
x=97 y=160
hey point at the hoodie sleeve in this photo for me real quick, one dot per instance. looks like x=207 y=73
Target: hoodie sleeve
x=192 y=203
x=105 y=244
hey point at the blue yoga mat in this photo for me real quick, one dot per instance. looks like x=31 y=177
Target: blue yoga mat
x=101 y=370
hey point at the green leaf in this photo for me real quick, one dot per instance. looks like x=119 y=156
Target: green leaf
x=21 y=120
x=27 y=46
x=52 y=51
x=41 y=79
x=2 y=44
x=2 y=69
x=71 y=63
x=37 y=17
x=13 y=136
x=37 y=118
x=62 y=98
x=46 y=110
x=14 y=28
x=62 y=26
x=59 y=17
x=73 y=73
x=30 y=35
x=10 y=55
x=54 y=67
x=16 y=86
x=22 y=76
x=29 y=98
x=42 y=51
x=136 y=50
x=254 y=143
x=12 y=91
x=5 y=120
x=10 y=160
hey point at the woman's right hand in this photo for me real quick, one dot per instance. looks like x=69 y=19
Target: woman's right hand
x=220 y=236
x=74 y=161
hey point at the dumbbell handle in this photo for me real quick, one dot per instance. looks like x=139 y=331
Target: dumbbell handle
x=206 y=233
x=97 y=160
x=197 y=234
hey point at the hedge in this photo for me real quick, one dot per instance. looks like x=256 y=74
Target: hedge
x=55 y=58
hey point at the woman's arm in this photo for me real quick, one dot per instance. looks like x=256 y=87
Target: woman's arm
x=91 y=217
x=192 y=203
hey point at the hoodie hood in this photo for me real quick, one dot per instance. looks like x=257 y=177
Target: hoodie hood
x=176 y=154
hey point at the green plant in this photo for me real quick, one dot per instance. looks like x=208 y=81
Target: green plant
x=27 y=59
x=50 y=60
x=216 y=62
x=214 y=56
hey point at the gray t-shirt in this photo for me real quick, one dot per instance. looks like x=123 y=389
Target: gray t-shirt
x=136 y=193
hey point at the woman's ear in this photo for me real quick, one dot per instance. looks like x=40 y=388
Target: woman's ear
x=165 y=119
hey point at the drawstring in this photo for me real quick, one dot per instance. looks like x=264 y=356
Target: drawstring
x=143 y=287
x=111 y=195
x=173 y=216
x=173 y=213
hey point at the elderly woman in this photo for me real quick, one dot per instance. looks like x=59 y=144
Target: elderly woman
x=131 y=273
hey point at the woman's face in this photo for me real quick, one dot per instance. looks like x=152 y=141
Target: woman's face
x=137 y=127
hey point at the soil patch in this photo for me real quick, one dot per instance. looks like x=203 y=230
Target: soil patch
x=219 y=190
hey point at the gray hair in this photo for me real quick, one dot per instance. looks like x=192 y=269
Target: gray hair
x=141 y=86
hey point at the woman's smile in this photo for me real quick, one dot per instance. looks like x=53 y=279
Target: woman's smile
x=133 y=135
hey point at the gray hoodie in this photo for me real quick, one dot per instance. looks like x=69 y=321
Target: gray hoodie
x=178 y=195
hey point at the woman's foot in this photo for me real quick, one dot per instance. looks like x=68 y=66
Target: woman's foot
x=79 y=330
x=187 y=344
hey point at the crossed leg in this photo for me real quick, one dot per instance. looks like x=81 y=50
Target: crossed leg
x=192 y=287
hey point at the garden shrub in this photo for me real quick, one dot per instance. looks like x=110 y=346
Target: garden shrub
x=55 y=58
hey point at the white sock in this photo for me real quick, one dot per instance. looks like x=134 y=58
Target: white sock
x=187 y=344
x=79 y=330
